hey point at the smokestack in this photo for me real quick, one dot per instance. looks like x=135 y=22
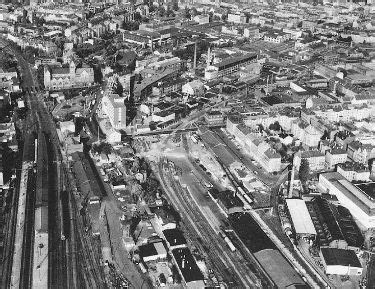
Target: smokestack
x=208 y=56
x=290 y=194
x=195 y=56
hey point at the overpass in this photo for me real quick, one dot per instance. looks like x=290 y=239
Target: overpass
x=170 y=131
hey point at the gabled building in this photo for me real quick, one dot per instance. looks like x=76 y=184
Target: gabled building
x=56 y=78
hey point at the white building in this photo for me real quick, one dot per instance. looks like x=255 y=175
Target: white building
x=354 y=171
x=356 y=198
x=316 y=159
x=193 y=88
x=228 y=66
x=334 y=157
x=114 y=107
x=301 y=219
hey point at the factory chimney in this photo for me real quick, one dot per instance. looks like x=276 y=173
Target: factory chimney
x=290 y=193
x=195 y=56
x=208 y=56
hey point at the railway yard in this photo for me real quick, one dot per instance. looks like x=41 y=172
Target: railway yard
x=47 y=244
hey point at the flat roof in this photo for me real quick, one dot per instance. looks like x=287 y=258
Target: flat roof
x=352 y=192
x=334 y=256
x=230 y=200
x=187 y=264
x=300 y=217
x=174 y=237
x=152 y=249
x=278 y=268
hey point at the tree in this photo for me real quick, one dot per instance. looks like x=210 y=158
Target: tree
x=187 y=13
x=105 y=148
x=161 y=11
x=304 y=171
x=175 y=6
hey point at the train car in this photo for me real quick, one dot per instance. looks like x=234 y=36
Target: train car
x=248 y=199
x=35 y=151
x=42 y=185
x=228 y=241
x=65 y=215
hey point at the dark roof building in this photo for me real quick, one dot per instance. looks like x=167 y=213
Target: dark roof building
x=188 y=267
x=230 y=202
x=340 y=262
x=175 y=238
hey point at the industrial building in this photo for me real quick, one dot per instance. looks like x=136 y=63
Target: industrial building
x=229 y=66
x=153 y=251
x=340 y=262
x=334 y=225
x=301 y=219
x=359 y=199
x=175 y=238
x=278 y=268
x=229 y=202
x=190 y=272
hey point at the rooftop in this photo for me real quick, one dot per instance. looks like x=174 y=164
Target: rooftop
x=174 y=237
x=365 y=200
x=152 y=249
x=334 y=256
x=300 y=217
x=187 y=264
x=230 y=200
x=280 y=271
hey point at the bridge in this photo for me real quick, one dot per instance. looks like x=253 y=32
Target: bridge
x=170 y=131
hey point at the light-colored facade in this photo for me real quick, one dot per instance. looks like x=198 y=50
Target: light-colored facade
x=360 y=204
x=334 y=157
x=316 y=160
x=354 y=171
x=256 y=146
x=115 y=109
x=228 y=66
x=63 y=78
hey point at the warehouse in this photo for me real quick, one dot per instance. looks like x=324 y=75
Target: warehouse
x=340 y=262
x=153 y=251
x=358 y=199
x=301 y=219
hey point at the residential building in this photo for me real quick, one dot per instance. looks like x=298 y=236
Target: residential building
x=56 y=78
x=360 y=152
x=315 y=158
x=354 y=171
x=334 y=157
x=255 y=145
x=214 y=117
x=276 y=36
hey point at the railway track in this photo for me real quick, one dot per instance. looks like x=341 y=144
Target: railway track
x=226 y=262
